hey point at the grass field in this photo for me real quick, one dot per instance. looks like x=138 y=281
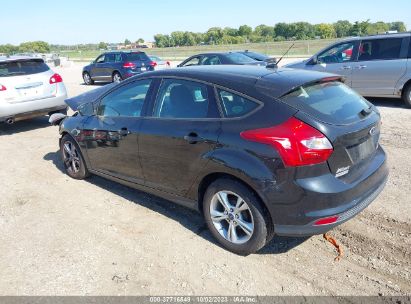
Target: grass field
x=301 y=48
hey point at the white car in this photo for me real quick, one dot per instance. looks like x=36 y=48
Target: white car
x=29 y=88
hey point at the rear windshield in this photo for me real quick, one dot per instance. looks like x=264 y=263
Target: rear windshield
x=137 y=57
x=22 y=67
x=256 y=56
x=332 y=102
x=239 y=58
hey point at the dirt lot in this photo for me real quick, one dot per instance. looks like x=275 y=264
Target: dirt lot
x=59 y=236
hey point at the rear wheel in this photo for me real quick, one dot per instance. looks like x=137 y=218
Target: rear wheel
x=406 y=95
x=235 y=216
x=87 y=78
x=117 y=77
x=73 y=160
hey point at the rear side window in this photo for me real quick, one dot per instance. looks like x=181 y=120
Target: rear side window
x=110 y=58
x=332 y=102
x=182 y=99
x=239 y=58
x=22 y=67
x=137 y=57
x=234 y=105
x=380 y=49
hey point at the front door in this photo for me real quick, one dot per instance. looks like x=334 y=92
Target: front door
x=175 y=141
x=337 y=60
x=111 y=136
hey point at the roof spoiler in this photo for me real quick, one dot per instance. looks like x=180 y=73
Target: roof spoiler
x=330 y=78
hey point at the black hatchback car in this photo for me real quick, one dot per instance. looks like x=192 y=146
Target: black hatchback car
x=257 y=151
x=116 y=66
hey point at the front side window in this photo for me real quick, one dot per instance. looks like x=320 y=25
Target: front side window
x=235 y=105
x=110 y=58
x=192 y=61
x=126 y=101
x=182 y=99
x=380 y=49
x=337 y=54
x=100 y=59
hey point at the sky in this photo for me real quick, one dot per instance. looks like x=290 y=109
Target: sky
x=92 y=21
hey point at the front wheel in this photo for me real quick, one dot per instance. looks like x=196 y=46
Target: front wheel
x=235 y=216
x=73 y=160
x=87 y=78
x=406 y=95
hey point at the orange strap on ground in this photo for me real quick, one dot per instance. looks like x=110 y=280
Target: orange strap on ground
x=335 y=244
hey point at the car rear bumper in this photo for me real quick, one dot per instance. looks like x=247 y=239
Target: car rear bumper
x=311 y=229
x=27 y=109
x=305 y=201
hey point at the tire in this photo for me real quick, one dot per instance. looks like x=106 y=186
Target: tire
x=116 y=77
x=406 y=95
x=87 y=79
x=76 y=167
x=251 y=215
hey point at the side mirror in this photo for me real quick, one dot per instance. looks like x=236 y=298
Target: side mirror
x=313 y=61
x=86 y=109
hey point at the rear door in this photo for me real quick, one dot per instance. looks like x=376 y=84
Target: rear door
x=337 y=59
x=380 y=64
x=183 y=129
x=111 y=136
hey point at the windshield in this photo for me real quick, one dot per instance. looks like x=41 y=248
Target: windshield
x=256 y=56
x=239 y=58
x=332 y=102
x=22 y=67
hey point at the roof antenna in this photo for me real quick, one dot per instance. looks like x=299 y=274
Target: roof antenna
x=274 y=63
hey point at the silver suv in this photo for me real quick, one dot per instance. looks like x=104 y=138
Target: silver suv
x=374 y=66
x=28 y=88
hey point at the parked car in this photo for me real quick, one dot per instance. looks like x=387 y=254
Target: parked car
x=374 y=66
x=257 y=151
x=29 y=88
x=116 y=66
x=159 y=64
x=232 y=58
x=255 y=55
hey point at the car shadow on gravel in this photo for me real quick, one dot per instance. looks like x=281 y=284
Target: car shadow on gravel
x=24 y=125
x=387 y=102
x=188 y=218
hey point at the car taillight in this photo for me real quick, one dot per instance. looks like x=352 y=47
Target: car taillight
x=153 y=64
x=56 y=78
x=326 y=221
x=298 y=143
x=2 y=88
x=129 y=65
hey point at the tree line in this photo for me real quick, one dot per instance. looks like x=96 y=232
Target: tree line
x=26 y=47
x=279 y=32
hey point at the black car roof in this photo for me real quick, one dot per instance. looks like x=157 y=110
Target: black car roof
x=276 y=82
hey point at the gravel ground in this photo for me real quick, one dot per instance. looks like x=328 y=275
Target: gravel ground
x=59 y=236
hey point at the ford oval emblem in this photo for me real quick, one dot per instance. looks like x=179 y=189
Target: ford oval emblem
x=372 y=131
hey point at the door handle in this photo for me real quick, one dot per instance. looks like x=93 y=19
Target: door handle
x=360 y=67
x=193 y=138
x=346 y=67
x=123 y=132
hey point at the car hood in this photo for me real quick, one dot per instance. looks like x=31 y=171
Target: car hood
x=87 y=97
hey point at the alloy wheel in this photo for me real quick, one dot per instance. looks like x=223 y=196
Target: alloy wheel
x=71 y=157
x=232 y=217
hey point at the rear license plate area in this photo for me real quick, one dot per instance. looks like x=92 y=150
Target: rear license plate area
x=362 y=151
